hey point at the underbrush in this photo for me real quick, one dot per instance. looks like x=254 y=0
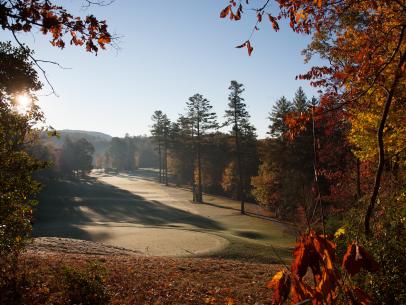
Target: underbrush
x=388 y=246
x=52 y=282
x=66 y=279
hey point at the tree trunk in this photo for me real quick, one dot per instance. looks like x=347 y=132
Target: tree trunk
x=381 y=149
x=238 y=152
x=358 y=179
x=199 y=195
x=240 y=173
x=166 y=161
x=160 y=162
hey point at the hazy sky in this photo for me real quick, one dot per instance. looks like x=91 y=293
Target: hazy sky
x=169 y=50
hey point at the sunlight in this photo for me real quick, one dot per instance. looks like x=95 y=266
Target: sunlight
x=23 y=103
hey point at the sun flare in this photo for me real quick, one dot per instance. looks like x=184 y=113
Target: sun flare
x=24 y=103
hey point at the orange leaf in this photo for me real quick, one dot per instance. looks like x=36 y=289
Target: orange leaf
x=225 y=11
x=280 y=284
x=104 y=39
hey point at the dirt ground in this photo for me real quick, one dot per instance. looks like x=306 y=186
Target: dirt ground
x=134 y=212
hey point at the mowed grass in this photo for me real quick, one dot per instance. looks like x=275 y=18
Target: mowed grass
x=68 y=207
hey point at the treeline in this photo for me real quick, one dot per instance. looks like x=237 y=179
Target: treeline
x=302 y=162
x=128 y=154
x=77 y=156
x=73 y=159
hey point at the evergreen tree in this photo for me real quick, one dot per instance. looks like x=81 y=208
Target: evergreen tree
x=237 y=116
x=157 y=133
x=166 y=125
x=278 y=127
x=300 y=102
x=202 y=120
x=181 y=153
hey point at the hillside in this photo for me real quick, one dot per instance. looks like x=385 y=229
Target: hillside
x=99 y=140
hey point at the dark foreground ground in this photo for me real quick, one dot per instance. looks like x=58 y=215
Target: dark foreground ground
x=143 y=280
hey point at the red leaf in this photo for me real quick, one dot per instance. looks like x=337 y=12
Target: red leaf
x=249 y=47
x=356 y=258
x=259 y=17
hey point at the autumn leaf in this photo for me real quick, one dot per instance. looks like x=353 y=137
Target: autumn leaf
x=224 y=13
x=280 y=284
x=259 y=17
x=249 y=47
x=105 y=39
x=318 y=3
x=356 y=257
x=230 y=301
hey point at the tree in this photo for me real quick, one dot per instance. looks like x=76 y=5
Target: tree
x=166 y=125
x=181 y=157
x=300 y=103
x=238 y=116
x=17 y=133
x=278 y=126
x=76 y=156
x=161 y=133
x=363 y=42
x=286 y=174
x=201 y=121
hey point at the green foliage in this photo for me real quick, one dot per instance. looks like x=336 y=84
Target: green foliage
x=278 y=126
x=16 y=135
x=161 y=130
x=388 y=246
x=17 y=165
x=245 y=143
x=286 y=174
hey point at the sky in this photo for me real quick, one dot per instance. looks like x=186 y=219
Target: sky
x=167 y=51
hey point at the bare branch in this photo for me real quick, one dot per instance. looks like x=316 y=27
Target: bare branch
x=36 y=62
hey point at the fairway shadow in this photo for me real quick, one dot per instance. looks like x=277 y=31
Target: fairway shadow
x=66 y=204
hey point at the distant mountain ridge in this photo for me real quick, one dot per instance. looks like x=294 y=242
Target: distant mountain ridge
x=85 y=134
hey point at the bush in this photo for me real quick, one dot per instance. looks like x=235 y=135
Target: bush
x=87 y=286
x=388 y=246
x=46 y=281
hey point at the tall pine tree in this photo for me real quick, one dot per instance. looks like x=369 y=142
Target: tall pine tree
x=237 y=116
x=202 y=120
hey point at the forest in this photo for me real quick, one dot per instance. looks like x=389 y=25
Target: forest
x=330 y=172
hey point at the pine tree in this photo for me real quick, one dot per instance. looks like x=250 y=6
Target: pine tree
x=237 y=116
x=202 y=120
x=157 y=133
x=300 y=102
x=166 y=125
x=278 y=127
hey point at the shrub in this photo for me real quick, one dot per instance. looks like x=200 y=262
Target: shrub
x=388 y=245
x=85 y=286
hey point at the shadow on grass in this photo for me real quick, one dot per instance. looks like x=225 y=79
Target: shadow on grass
x=66 y=204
